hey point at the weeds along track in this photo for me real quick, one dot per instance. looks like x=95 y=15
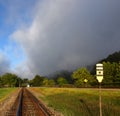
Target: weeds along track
x=27 y=104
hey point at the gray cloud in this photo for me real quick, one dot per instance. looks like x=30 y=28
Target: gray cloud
x=66 y=34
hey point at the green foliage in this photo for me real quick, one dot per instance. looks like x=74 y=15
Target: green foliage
x=42 y=81
x=111 y=72
x=9 y=80
x=37 y=81
x=117 y=79
x=80 y=75
x=12 y=80
x=20 y=82
x=5 y=92
x=65 y=74
x=51 y=83
x=108 y=72
x=45 y=82
x=61 y=81
x=111 y=66
x=23 y=82
x=1 y=83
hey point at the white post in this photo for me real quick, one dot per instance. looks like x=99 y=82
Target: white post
x=99 y=76
x=100 y=99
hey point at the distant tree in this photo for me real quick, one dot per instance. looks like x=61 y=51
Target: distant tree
x=51 y=83
x=65 y=74
x=61 y=81
x=1 y=85
x=48 y=82
x=38 y=80
x=31 y=82
x=20 y=82
x=13 y=80
x=25 y=82
x=45 y=82
x=10 y=80
x=80 y=75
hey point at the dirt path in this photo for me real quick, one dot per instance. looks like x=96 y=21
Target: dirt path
x=6 y=105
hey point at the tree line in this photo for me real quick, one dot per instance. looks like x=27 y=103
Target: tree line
x=81 y=77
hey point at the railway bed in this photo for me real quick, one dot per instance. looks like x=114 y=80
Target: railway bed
x=27 y=104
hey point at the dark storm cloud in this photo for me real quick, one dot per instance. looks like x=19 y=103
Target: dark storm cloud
x=66 y=34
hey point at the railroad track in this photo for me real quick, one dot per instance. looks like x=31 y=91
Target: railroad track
x=27 y=104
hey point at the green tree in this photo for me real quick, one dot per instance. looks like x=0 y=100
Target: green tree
x=13 y=80
x=20 y=82
x=38 y=80
x=9 y=80
x=25 y=82
x=65 y=74
x=61 y=81
x=80 y=75
x=48 y=82
x=51 y=83
x=45 y=82
x=1 y=84
x=117 y=79
x=108 y=72
x=111 y=73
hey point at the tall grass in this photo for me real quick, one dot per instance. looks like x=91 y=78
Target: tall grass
x=81 y=102
x=5 y=92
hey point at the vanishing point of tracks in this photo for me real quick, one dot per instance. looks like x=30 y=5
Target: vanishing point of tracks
x=27 y=104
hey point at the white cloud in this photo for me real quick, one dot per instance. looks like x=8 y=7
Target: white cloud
x=4 y=64
x=23 y=71
x=68 y=33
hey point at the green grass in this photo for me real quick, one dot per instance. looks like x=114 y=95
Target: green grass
x=81 y=102
x=5 y=92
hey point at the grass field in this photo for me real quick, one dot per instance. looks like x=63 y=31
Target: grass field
x=81 y=102
x=5 y=92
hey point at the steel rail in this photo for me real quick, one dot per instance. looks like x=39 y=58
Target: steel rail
x=19 y=109
x=26 y=104
x=27 y=101
x=40 y=105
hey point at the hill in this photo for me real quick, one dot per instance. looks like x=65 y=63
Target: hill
x=115 y=57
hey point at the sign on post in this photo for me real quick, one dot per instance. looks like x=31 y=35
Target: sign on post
x=99 y=72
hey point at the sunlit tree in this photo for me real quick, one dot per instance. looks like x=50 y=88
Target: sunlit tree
x=80 y=75
x=111 y=73
x=10 y=80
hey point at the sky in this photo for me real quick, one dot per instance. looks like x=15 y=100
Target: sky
x=45 y=36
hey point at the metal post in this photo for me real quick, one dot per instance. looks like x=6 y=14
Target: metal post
x=100 y=99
